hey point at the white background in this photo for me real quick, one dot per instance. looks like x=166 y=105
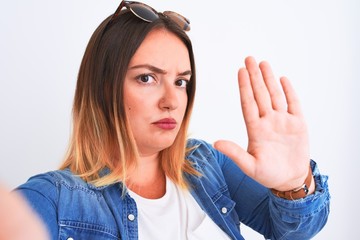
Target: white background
x=313 y=42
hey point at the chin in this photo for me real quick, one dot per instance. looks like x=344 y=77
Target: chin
x=164 y=143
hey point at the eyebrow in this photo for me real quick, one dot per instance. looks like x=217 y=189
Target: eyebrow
x=158 y=70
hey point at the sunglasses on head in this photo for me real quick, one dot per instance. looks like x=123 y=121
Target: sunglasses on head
x=148 y=14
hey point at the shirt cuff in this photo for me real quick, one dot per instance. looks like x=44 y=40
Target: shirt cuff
x=305 y=207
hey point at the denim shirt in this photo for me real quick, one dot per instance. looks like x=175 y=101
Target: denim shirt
x=74 y=209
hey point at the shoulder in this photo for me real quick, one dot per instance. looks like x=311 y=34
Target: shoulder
x=57 y=177
x=72 y=207
x=209 y=161
x=199 y=145
x=200 y=151
x=51 y=190
x=203 y=155
x=51 y=183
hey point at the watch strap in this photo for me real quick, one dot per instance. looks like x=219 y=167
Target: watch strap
x=296 y=193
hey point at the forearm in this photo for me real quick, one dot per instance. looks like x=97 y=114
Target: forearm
x=300 y=218
x=17 y=219
x=39 y=193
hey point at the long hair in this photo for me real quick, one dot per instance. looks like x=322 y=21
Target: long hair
x=101 y=139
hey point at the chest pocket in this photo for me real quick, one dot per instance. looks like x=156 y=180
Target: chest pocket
x=70 y=230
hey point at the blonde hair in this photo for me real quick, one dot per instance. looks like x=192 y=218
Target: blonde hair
x=101 y=136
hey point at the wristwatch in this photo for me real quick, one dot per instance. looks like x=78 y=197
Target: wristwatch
x=296 y=193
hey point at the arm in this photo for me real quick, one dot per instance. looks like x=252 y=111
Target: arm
x=277 y=155
x=40 y=192
x=17 y=220
x=273 y=217
x=302 y=218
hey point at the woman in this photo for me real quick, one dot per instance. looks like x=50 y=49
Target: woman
x=130 y=168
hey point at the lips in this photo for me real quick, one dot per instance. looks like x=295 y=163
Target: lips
x=166 y=123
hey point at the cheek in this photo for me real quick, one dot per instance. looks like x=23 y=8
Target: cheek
x=184 y=103
x=129 y=105
x=136 y=106
x=131 y=100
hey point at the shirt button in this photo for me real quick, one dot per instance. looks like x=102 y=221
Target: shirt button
x=70 y=238
x=224 y=210
x=131 y=217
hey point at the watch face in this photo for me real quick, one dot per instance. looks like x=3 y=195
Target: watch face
x=306 y=189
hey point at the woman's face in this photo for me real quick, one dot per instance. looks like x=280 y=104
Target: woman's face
x=155 y=97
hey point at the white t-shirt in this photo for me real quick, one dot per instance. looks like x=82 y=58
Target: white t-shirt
x=175 y=216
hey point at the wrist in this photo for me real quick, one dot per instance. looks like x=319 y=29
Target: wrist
x=307 y=188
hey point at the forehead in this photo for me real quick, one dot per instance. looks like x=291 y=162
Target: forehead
x=163 y=49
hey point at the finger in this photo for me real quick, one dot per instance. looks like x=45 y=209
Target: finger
x=259 y=88
x=248 y=103
x=292 y=100
x=241 y=157
x=276 y=95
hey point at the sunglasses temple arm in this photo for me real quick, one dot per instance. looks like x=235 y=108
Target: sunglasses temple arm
x=116 y=13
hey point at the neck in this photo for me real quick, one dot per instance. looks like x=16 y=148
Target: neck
x=148 y=178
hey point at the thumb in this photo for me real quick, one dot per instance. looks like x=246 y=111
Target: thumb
x=242 y=158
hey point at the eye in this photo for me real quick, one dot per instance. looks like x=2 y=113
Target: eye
x=182 y=83
x=145 y=79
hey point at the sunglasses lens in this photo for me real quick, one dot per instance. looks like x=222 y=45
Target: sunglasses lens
x=144 y=12
x=183 y=22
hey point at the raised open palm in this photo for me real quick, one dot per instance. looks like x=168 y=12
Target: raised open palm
x=278 y=153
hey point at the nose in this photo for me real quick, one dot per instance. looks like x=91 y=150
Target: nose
x=169 y=99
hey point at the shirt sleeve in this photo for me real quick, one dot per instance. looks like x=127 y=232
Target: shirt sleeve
x=274 y=217
x=41 y=193
x=301 y=218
